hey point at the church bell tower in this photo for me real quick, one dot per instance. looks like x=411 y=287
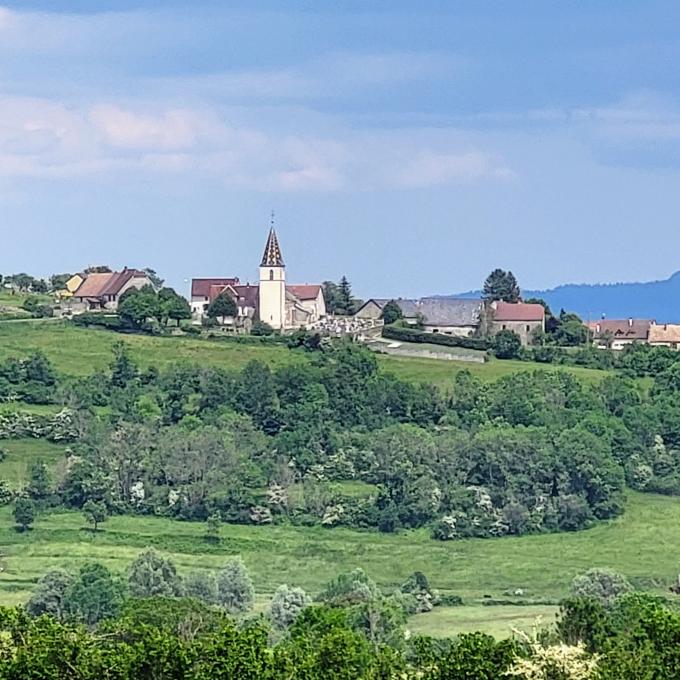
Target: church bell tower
x=273 y=283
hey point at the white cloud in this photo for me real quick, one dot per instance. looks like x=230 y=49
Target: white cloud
x=42 y=138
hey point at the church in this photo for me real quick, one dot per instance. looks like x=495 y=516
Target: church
x=282 y=305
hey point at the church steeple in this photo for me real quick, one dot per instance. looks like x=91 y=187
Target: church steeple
x=272 y=252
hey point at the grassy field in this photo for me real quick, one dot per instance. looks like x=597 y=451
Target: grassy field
x=641 y=544
x=21 y=453
x=499 y=621
x=78 y=351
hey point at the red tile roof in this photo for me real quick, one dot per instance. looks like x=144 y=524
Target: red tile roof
x=304 y=291
x=201 y=287
x=519 y=311
x=119 y=279
x=93 y=284
x=628 y=329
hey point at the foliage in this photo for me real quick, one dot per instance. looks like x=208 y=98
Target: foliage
x=413 y=335
x=506 y=344
x=235 y=591
x=554 y=662
x=501 y=285
x=261 y=328
x=391 y=312
x=286 y=605
x=603 y=585
x=151 y=575
x=221 y=307
x=94 y=594
x=348 y=589
x=50 y=595
x=24 y=513
x=95 y=512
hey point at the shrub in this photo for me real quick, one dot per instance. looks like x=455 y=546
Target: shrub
x=604 y=585
x=416 y=336
x=152 y=575
x=507 y=345
x=287 y=604
x=261 y=328
x=235 y=591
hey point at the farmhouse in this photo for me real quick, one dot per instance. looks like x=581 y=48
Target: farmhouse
x=664 y=335
x=449 y=316
x=283 y=306
x=523 y=318
x=617 y=333
x=99 y=291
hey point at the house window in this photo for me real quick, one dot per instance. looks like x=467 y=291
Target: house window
x=271 y=274
x=505 y=327
x=528 y=328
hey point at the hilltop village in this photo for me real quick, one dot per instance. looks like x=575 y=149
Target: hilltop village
x=273 y=305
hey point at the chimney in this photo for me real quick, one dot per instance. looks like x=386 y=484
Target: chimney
x=630 y=322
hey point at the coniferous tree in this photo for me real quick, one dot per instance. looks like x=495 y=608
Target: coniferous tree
x=501 y=286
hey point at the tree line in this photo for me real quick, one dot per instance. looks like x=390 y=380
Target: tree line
x=530 y=452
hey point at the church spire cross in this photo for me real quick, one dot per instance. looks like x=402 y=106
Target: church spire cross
x=272 y=252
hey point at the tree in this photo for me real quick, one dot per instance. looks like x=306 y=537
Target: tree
x=95 y=513
x=330 y=296
x=123 y=368
x=156 y=280
x=391 y=313
x=221 y=307
x=201 y=585
x=345 y=301
x=58 y=281
x=38 y=487
x=212 y=528
x=173 y=306
x=501 y=285
x=136 y=305
x=604 y=585
x=235 y=591
x=151 y=575
x=49 y=597
x=349 y=588
x=24 y=513
x=506 y=344
x=286 y=605
x=98 y=269
x=94 y=594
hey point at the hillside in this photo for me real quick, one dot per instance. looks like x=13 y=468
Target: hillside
x=80 y=351
x=648 y=300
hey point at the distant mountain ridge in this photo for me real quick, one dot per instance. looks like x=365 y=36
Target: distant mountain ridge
x=658 y=300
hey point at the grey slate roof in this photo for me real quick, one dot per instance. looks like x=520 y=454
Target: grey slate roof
x=438 y=311
x=450 y=311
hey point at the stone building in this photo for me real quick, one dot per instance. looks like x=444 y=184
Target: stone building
x=522 y=318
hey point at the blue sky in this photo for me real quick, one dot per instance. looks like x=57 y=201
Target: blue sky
x=411 y=146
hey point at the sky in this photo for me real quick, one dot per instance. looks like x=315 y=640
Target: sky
x=412 y=146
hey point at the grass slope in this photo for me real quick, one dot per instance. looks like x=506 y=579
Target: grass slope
x=21 y=453
x=641 y=544
x=78 y=351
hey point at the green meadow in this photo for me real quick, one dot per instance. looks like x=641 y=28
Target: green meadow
x=79 y=351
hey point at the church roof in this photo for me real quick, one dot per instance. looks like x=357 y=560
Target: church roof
x=272 y=252
x=304 y=291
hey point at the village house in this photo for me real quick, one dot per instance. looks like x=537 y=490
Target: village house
x=525 y=319
x=448 y=316
x=283 y=306
x=102 y=291
x=618 y=333
x=664 y=335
